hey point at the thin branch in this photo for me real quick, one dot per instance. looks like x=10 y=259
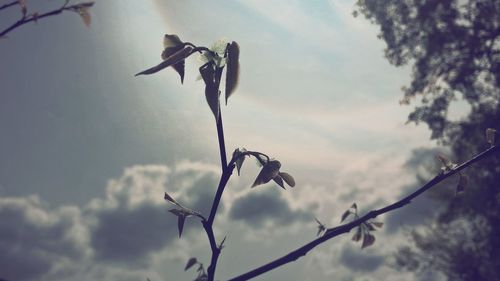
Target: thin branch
x=336 y=231
x=5 y=6
x=35 y=17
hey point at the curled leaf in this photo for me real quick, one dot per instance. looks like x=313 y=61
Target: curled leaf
x=287 y=178
x=368 y=240
x=207 y=72
x=171 y=60
x=268 y=172
x=233 y=68
x=239 y=159
x=190 y=263
x=490 y=136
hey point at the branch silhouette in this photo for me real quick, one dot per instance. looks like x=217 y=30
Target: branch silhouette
x=336 y=231
x=79 y=8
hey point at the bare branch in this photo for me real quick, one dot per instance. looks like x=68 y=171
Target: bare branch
x=5 y=6
x=35 y=17
x=336 y=231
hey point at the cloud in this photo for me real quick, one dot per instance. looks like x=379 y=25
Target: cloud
x=356 y=260
x=259 y=207
x=36 y=241
x=110 y=238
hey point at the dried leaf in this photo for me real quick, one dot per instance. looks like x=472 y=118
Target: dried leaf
x=190 y=263
x=233 y=68
x=357 y=236
x=462 y=184
x=85 y=15
x=354 y=206
x=447 y=164
x=268 y=172
x=279 y=181
x=345 y=215
x=211 y=92
x=287 y=178
x=171 y=60
x=378 y=224
x=490 y=136
x=368 y=240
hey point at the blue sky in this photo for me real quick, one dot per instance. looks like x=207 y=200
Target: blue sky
x=88 y=149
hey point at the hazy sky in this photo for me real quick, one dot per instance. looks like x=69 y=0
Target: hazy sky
x=87 y=149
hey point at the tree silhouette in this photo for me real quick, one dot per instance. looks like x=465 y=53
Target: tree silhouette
x=454 y=49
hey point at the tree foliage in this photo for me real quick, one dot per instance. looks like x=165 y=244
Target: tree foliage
x=453 y=47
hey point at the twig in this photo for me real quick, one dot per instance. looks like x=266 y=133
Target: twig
x=35 y=17
x=336 y=231
x=5 y=6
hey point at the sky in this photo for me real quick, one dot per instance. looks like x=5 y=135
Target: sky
x=88 y=149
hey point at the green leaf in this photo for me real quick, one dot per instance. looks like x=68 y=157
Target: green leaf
x=190 y=263
x=277 y=179
x=368 y=240
x=345 y=215
x=171 y=60
x=267 y=173
x=233 y=68
x=207 y=72
x=287 y=178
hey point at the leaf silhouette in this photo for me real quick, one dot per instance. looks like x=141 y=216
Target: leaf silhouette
x=345 y=215
x=279 y=181
x=207 y=72
x=190 y=263
x=239 y=160
x=287 y=178
x=180 y=224
x=368 y=240
x=357 y=236
x=233 y=68
x=171 y=60
x=178 y=67
x=267 y=173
